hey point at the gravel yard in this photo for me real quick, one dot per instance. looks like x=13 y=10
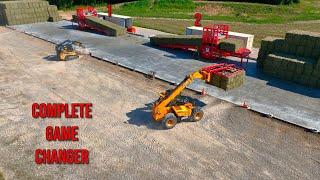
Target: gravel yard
x=229 y=143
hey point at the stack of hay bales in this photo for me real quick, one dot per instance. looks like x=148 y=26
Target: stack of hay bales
x=190 y=40
x=228 y=79
x=28 y=11
x=109 y=28
x=193 y=40
x=295 y=58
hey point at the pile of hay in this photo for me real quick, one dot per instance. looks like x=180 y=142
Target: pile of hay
x=27 y=11
x=295 y=58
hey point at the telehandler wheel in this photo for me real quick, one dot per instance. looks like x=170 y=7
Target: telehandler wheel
x=197 y=114
x=169 y=121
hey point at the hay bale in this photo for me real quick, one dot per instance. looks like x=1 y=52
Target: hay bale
x=299 y=67
x=22 y=12
x=300 y=51
x=228 y=79
x=231 y=44
x=270 y=42
x=109 y=27
x=261 y=57
x=308 y=69
x=278 y=45
x=226 y=46
x=215 y=80
x=192 y=40
x=232 y=78
x=297 y=37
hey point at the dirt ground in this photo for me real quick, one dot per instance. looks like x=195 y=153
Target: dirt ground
x=229 y=143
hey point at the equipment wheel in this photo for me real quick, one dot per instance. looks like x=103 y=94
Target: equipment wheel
x=197 y=114
x=169 y=121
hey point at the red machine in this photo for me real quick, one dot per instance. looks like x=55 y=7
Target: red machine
x=90 y=11
x=81 y=16
x=209 y=48
x=223 y=70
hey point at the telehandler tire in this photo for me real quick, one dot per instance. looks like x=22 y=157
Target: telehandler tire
x=197 y=114
x=169 y=121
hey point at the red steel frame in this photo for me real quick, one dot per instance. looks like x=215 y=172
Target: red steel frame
x=90 y=11
x=216 y=69
x=209 y=46
x=82 y=13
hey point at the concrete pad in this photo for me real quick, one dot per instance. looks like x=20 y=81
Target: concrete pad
x=287 y=101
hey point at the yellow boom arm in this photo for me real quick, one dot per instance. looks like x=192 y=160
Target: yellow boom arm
x=160 y=108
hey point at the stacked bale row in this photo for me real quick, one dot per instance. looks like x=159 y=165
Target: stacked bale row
x=107 y=27
x=193 y=40
x=295 y=58
x=228 y=79
x=24 y=12
x=190 y=40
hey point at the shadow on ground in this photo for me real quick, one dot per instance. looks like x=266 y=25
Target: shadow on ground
x=51 y=58
x=143 y=116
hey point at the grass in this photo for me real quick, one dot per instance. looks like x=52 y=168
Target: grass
x=177 y=26
x=223 y=11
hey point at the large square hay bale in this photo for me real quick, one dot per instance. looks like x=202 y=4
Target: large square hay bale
x=300 y=51
x=232 y=79
x=278 y=45
x=297 y=37
x=215 y=80
x=192 y=40
x=308 y=51
x=227 y=46
x=271 y=43
x=228 y=79
x=308 y=69
x=109 y=27
x=299 y=67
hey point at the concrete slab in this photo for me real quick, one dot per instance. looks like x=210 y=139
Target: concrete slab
x=287 y=101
